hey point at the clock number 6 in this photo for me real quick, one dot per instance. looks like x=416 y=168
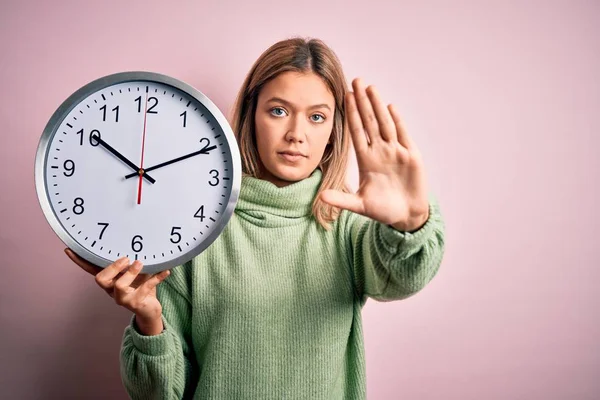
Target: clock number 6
x=139 y=243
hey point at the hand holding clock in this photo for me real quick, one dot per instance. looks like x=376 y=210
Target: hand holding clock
x=130 y=289
x=97 y=228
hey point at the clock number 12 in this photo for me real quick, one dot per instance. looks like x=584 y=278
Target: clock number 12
x=150 y=99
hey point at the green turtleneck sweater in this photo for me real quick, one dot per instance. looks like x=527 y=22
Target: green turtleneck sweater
x=272 y=309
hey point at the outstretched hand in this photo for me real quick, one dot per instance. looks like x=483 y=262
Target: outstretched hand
x=392 y=182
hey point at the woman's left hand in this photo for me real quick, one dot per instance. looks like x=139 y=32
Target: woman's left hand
x=392 y=183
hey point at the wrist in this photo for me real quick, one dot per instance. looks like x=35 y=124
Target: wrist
x=413 y=225
x=149 y=326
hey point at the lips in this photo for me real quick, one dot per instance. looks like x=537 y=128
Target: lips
x=292 y=153
x=291 y=156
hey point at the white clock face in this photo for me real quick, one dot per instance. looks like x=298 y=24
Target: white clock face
x=93 y=182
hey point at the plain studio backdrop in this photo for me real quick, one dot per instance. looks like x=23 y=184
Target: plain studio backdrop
x=502 y=98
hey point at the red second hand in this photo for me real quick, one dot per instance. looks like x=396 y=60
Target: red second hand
x=139 y=201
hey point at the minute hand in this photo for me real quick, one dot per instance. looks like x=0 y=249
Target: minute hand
x=195 y=153
x=122 y=158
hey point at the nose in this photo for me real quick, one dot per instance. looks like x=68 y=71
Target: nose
x=296 y=130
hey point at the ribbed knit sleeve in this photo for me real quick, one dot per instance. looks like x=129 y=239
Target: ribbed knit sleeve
x=160 y=366
x=388 y=264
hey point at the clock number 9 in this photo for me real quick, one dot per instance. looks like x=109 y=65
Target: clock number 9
x=70 y=169
x=139 y=243
x=216 y=176
x=92 y=142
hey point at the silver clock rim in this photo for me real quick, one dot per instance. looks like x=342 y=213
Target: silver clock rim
x=121 y=77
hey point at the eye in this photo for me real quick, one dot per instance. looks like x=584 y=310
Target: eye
x=320 y=116
x=275 y=111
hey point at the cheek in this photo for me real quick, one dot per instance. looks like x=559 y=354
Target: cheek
x=267 y=131
x=264 y=136
x=324 y=134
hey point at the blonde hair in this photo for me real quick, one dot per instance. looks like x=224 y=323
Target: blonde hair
x=299 y=55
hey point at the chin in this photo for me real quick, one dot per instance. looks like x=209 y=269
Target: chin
x=292 y=174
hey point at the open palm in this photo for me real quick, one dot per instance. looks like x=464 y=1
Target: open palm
x=392 y=182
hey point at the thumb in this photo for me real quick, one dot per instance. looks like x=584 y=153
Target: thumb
x=348 y=201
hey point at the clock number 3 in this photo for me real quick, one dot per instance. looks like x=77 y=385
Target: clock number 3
x=215 y=175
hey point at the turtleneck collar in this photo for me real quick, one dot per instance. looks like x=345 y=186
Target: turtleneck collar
x=259 y=197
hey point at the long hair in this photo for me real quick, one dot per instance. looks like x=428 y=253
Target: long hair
x=299 y=55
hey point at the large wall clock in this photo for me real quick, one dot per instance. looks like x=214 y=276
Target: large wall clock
x=138 y=164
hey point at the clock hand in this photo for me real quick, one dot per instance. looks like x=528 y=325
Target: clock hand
x=141 y=172
x=122 y=158
x=195 y=153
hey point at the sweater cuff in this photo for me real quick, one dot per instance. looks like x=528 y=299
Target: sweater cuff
x=395 y=240
x=154 y=345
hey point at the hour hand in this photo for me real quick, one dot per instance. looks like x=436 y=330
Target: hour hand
x=123 y=158
x=195 y=153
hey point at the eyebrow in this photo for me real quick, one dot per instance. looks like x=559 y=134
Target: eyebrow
x=287 y=103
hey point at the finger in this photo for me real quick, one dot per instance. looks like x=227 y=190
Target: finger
x=355 y=124
x=105 y=278
x=403 y=137
x=365 y=109
x=129 y=276
x=347 y=201
x=150 y=284
x=140 y=280
x=384 y=119
x=86 y=266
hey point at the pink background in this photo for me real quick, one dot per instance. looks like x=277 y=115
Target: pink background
x=503 y=98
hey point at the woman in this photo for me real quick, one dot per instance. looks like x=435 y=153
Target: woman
x=272 y=309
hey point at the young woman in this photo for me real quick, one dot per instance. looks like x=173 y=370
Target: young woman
x=272 y=309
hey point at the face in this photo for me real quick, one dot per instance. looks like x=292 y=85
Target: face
x=294 y=121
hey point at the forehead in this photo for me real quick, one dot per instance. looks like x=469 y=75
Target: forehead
x=302 y=89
